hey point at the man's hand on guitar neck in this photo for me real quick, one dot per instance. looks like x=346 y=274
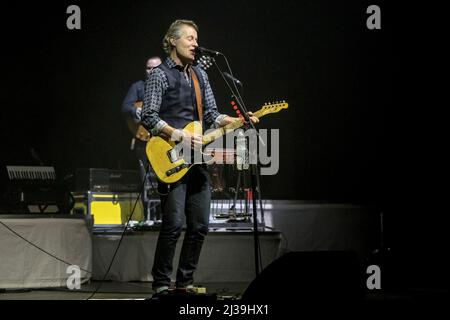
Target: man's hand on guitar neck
x=228 y=119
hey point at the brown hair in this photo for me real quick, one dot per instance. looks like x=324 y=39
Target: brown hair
x=174 y=32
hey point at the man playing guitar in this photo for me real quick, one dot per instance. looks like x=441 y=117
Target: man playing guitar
x=131 y=108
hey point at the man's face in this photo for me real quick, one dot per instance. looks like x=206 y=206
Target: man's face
x=151 y=64
x=186 y=44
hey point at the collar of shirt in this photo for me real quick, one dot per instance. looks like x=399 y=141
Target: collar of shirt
x=171 y=64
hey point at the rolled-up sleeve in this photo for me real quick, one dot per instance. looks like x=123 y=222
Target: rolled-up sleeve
x=155 y=86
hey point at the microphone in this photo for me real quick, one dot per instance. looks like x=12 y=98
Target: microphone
x=230 y=77
x=205 y=51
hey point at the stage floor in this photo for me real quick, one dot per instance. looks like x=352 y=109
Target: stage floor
x=113 y=290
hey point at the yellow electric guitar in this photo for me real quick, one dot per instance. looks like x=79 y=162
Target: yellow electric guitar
x=166 y=156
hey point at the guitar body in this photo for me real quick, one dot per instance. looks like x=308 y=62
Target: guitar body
x=137 y=129
x=167 y=169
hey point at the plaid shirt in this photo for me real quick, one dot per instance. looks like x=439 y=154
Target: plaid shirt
x=155 y=87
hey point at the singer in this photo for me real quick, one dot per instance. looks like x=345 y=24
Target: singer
x=177 y=93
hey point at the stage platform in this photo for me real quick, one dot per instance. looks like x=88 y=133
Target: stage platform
x=36 y=250
x=227 y=255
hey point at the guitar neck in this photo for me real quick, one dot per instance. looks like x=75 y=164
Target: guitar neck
x=217 y=133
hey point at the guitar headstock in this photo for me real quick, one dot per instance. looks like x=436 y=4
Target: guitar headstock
x=205 y=62
x=273 y=107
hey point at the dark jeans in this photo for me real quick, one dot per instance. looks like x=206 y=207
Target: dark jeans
x=189 y=198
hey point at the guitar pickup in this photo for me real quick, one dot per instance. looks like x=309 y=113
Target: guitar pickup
x=175 y=154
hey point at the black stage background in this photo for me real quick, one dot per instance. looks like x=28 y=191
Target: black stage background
x=65 y=87
x=62 y=91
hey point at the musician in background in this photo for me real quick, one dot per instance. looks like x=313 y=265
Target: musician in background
x=170 y=103
x=131 y=108
x=136 y=92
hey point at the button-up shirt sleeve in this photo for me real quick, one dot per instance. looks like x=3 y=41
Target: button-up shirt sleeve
x=155 y=86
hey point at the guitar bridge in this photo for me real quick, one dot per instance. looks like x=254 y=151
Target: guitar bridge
x=176 y=169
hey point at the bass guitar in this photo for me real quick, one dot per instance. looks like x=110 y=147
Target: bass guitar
x=136 y=129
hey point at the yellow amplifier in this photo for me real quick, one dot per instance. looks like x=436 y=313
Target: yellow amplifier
x=109 y=207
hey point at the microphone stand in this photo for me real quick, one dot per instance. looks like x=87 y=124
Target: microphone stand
x=254 y=168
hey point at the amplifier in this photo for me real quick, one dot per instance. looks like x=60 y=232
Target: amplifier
x=107 y=180
x=33 y=189
x=109 y=208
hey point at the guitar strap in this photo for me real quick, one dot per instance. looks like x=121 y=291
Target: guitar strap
x=198 y=94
